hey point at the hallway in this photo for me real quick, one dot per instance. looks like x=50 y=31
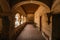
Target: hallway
x=30 y=33
x=45 y=14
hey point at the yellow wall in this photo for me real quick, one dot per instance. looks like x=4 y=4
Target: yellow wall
x=30 y=17
x=47 y=28
x=24 y=19
x=42 y=11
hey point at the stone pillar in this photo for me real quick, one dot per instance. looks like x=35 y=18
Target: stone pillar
x=1 y=28
x=12 y=27
x=8 y=30
x=6 y=25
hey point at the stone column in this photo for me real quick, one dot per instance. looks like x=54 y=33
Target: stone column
x=6 y=25
x=12 y=27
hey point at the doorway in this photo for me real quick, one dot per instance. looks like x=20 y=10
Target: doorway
x=40 y=23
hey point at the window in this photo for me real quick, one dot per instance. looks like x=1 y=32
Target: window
x=20 y=19
x=17 y=21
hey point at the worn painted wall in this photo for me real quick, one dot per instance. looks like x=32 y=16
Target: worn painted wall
x=42 y=11
x=37 y=15
x=47 y=28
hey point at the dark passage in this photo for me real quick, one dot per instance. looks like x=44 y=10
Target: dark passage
x=30 y=33
x=56 y=27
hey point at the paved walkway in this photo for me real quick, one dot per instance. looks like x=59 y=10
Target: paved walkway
x=30 y=33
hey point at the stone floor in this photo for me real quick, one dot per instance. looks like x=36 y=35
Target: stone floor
x=30 y=33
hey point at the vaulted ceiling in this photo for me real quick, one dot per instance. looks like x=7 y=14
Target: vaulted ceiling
x=30 y=8
x=47 y=2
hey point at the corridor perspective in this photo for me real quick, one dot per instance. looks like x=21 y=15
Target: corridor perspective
x=29 y=19
x=30 y=33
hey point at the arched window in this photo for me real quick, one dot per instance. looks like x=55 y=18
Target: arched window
x=17 y=21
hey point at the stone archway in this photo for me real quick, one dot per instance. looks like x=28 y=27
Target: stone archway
x=27 y=2
x=33 y=2
x=17 y=6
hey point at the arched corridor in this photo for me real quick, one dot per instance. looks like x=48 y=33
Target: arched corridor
x=29 y=19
